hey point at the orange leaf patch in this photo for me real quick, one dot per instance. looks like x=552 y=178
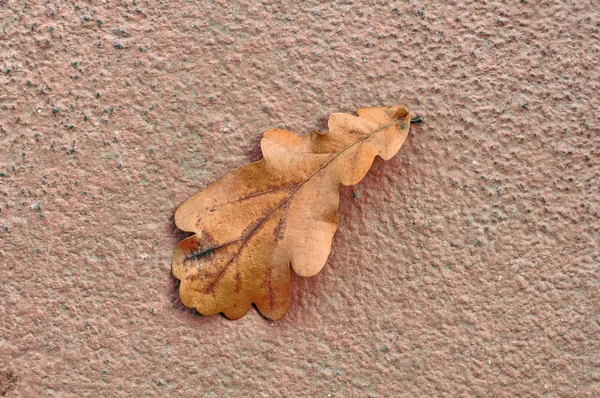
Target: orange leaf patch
x=255 y=222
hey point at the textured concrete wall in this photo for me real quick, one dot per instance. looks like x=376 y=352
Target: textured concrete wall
x=467 y=265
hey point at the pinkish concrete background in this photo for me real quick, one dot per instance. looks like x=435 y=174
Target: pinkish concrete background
x=466 y=266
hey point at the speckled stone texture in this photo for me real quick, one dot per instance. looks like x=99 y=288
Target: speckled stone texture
x=468 y=265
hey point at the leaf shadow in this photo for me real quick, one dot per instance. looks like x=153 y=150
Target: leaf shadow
x=255 y=153
x=322 y=123
x=177 y=234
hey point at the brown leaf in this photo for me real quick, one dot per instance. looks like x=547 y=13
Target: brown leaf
x=254 y=222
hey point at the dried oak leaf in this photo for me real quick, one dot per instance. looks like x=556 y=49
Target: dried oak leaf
x=255 y=222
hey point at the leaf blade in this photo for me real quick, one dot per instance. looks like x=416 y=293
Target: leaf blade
x=255 y=223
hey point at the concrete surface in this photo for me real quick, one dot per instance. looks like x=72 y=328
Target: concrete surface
x=467 y=265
